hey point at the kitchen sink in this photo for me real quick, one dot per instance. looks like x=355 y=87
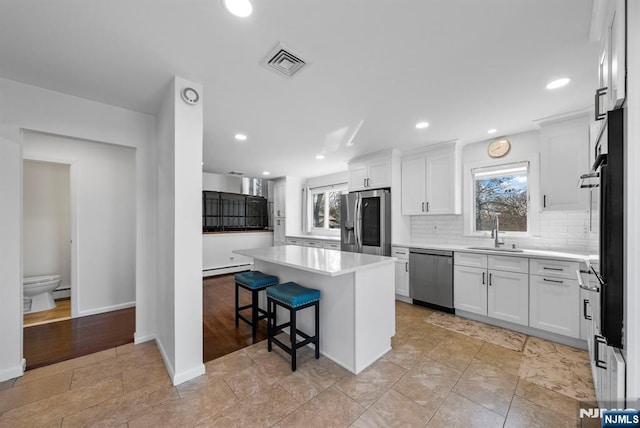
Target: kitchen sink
x=506 y=250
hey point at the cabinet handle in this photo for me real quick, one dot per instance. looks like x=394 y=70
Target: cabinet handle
x=423 y=207
x=584 y=309
x=406 y=266
x=597 y=340
x=598 y=114
x=552 y=280
x=544 y=201
x=550 y=268
x=427 y=206
x=490 y=279
x=368 y=182
x=483 y=273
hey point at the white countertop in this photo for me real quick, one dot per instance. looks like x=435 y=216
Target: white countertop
x=320 y=237
x=316 y=260
x=538 y=254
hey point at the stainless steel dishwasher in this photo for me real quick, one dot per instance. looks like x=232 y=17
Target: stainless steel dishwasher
x=431 y=278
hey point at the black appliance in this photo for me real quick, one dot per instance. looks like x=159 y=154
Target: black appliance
x=610 y=166
x=233 y=212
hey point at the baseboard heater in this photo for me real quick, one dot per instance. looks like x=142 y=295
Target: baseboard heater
x=226 y=269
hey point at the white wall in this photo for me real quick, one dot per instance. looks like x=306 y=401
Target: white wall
x=105 y=210
x=218 y=248
x=221 y=183
x=47 y=220
x=28 y=107
x=557 y=229
x=180 y=131
x=632 y=280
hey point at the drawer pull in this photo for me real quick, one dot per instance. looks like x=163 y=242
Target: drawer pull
x=597 y=339
x=550 y=268
x=585 y=302
x=553 y=280
x=483 y=274
x=490 y=278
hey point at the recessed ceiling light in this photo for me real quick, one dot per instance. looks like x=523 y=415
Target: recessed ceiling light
x=558 y=83
x=265 y=173
x=492 y=131
x=240 y=8
x=319 y=157
x=422 y=125
x=240 y=137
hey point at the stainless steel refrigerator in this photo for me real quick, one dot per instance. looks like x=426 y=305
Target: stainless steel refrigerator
x=365 y=222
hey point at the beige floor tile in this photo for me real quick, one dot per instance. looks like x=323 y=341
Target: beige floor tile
x=262 y=409
x=419 y=329
x=406 y=352
x=488 y=385
x=525 y=414
x=136 y=377
x=456 y=350
x=58 y=406
x=313 y=378
x=7 y=384
x=428 y=383
x=229 y=365
x=188 y=411
x=544 y=397
x=34 y=391
x=330 y=408
x=84 y=361
x=132 y=347
x=459 y=412
x=393 y=410
x=120 y=410
x=371 y=383
x=497 y=355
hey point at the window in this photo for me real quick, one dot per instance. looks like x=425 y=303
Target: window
x=503 y=191
x=325 y=207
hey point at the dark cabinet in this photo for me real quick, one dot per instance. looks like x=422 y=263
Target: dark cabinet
x=231 y=211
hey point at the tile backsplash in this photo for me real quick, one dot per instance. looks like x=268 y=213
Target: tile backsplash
x=559 y=231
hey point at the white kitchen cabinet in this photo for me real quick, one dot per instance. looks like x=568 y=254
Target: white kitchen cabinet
x=279 y=232
x=470 y=289
x=554 y=268
x=430 y=182
x=280 y=193
x=402 y=270
x=470 y=259
x=370 y=173
x=315 y=243
x=609 y=28
x=508 y=296
x=564 y=157
x=331 y=245
x=287 y=203
x=554 y=305
x=294 y=241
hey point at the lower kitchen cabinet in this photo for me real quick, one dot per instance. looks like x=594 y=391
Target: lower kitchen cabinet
x=402 y=270
x=553 y=305
x=470 y=289
x=508 y=296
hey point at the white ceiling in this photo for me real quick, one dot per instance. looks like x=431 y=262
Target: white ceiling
x=462 y=65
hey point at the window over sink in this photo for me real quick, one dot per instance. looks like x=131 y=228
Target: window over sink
x=325 y=207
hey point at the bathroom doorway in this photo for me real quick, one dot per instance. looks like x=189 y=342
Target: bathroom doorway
x=47 y=252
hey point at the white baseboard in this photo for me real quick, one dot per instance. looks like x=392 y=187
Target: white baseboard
x=142 y=339
x=165 y=358
x=106 y=309
x=226 y=269
x=404 y=299
x=12 y=372
x=188 y=374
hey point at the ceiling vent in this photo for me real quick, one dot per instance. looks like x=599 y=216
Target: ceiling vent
x=235 y=173
x=283 y=61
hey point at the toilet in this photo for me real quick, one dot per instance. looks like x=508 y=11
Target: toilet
x=39 y=289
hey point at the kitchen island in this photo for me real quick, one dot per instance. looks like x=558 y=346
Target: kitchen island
x=357 y=303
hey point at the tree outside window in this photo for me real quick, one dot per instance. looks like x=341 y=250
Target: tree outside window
x=502 y=192
x=326 y=209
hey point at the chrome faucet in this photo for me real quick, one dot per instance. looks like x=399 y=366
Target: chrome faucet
x=495 y=232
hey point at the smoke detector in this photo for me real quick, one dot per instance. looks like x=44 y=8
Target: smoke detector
x=283 y=61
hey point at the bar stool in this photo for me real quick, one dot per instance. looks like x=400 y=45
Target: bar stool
x=293 y=297
x=253 y=281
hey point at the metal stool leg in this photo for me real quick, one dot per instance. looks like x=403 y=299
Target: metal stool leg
x=271 y=321
x=254 y=314
x=292 y=333
x=317 y=308
x=237 y=306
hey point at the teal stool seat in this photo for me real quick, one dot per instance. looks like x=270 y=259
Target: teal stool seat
x=253 y=281
x=292 y=297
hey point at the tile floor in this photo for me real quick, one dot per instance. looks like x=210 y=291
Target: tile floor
x=434 y=376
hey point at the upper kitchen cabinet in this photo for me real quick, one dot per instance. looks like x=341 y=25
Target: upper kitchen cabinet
x=370 y=173
x=564 y=156
x=431 y=181
x=608 y=25
x=287 y=203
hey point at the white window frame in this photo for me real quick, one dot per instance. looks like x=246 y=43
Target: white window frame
x=338 y=187
x=533 y=189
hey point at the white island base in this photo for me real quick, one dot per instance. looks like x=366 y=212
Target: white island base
x=357 y=302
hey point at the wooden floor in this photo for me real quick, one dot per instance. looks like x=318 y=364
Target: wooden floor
x=58 y=341
x=62 y=311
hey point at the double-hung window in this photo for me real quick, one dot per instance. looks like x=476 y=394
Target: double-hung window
x=502 y=191
x=325 y=207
